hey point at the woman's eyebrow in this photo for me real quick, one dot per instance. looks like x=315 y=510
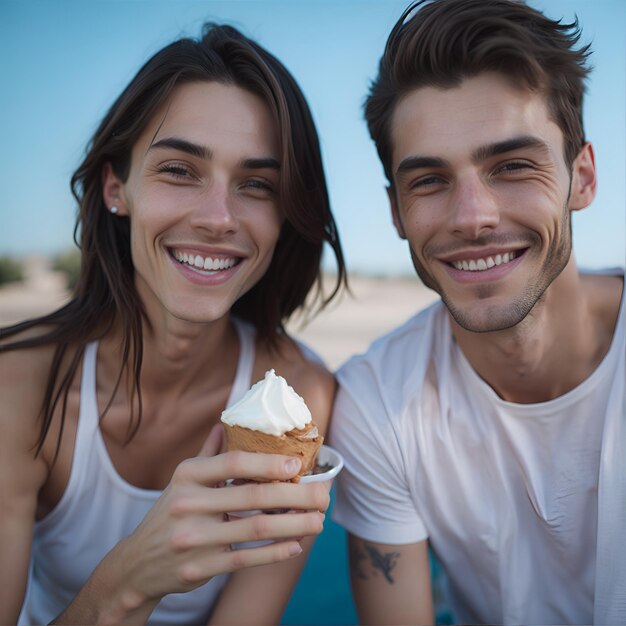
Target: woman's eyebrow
x=183 y=145
x=260 y=163
x=203 y=152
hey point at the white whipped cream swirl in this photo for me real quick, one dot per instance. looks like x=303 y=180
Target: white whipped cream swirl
x=270 y=406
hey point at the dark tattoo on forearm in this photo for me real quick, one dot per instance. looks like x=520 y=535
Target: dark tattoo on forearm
x=377 y=560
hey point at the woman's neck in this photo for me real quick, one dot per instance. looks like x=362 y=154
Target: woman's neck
x=176 y=358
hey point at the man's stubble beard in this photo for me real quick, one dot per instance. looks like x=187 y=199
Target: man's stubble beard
x=502 y=317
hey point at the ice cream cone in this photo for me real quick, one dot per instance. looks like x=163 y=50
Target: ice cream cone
x=303 y=443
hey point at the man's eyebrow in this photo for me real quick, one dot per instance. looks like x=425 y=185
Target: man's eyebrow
x=416 y=162
x=184 y=146
x=508 y=145
x=480 y=154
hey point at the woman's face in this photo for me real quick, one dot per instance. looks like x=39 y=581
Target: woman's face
x=202 y=199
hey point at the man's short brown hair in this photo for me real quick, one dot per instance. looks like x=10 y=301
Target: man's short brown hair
x=439 y=43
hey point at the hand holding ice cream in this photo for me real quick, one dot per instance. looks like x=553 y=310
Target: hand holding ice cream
x=274 y=419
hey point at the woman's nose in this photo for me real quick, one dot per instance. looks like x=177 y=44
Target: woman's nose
x=215 y=211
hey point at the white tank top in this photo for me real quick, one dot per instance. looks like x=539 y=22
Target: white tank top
x=99 y=508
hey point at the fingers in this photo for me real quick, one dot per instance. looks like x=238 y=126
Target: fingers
x=273 y=527
x=201 y=569
x=207 y=546
x=249 y=465
x=195 y=499
x=263 y=555
x=269 y=496
x=197 y=533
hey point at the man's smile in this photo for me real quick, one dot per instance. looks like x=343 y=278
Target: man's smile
x=483 y=263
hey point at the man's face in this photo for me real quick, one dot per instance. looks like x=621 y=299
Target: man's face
x=483 y=195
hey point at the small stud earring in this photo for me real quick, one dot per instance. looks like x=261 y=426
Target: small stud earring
x=114 y=209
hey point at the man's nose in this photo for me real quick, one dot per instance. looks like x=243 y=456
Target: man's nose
x=474 y=211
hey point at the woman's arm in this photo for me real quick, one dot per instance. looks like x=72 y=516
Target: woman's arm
x=185 y=539
x=21 y=474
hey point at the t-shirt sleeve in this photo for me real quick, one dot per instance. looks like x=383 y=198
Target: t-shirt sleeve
x=372 y=496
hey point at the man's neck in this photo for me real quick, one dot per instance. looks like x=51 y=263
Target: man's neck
x=555 y=348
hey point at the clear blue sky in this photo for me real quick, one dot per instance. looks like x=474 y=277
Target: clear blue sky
x=64 y=61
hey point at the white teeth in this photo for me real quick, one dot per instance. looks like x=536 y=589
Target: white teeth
x=479 y=265
x=207 y=264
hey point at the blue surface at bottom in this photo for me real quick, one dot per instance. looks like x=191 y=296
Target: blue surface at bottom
x=322 y=595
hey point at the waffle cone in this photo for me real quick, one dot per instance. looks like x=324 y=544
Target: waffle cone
x=292 y=443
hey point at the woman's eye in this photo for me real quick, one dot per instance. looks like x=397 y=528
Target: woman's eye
x=258 y=186
x=175 y=169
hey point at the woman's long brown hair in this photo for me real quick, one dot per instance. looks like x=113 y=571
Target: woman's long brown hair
x=105 y=293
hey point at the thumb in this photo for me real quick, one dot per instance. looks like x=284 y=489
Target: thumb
x=213 y=442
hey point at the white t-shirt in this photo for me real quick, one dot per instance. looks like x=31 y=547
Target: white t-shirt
x=506 y=493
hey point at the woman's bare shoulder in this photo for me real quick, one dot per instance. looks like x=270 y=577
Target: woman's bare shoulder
x=24 y=374
x=23 y=380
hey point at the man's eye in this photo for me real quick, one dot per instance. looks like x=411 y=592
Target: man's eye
x=431 y=180
x=511 y=167
x=425 y=182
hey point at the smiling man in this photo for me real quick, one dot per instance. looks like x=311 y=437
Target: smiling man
x=491 y=427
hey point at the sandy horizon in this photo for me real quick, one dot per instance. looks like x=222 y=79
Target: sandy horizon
x=346 y=327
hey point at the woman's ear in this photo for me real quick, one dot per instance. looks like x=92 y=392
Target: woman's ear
x=583 y=189
x=113 y=191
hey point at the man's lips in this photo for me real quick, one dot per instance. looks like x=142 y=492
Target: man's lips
x=473 y=266
x=485 y=262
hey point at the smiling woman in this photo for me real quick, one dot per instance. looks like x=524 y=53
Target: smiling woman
x=203 y=184
x=203 y=214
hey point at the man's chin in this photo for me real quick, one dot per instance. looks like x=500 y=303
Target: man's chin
x=488 y=319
